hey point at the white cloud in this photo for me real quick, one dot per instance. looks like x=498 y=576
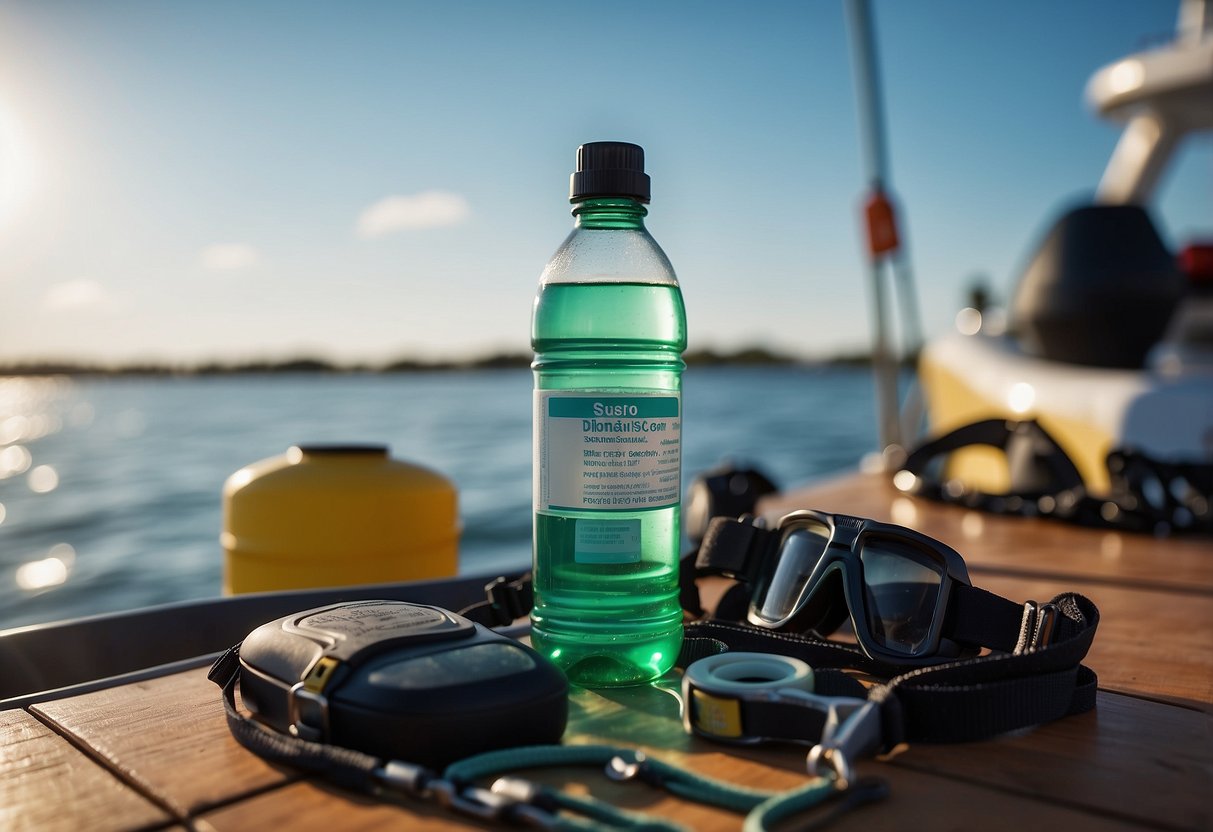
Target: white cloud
x=229 y=257
x=428 y=209
x=75 y=294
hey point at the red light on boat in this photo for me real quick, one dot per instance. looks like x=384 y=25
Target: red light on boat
x=1196 y=261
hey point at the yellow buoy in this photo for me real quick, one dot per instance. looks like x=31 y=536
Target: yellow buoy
x=336 y=515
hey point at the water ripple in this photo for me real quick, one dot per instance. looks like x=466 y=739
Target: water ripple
x=140 y=463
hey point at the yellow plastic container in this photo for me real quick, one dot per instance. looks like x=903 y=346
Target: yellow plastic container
x=328 y=515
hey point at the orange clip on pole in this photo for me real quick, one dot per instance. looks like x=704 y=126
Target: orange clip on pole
x=882 y=224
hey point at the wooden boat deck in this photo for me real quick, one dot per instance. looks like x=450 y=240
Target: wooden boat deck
x=157 y=753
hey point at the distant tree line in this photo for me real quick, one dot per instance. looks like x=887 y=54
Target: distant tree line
x=747 y=356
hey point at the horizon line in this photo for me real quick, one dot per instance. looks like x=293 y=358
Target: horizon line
x=744 y=356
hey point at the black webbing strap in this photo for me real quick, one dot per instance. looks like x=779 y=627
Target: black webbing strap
x=506 y=600
x=788 y=721
x=734 y=549
x=989 y=695
x=949 y=712
x=965 y=700
x=345 y=767
x=1025 y=683
x=738 y=637
x=976 y=617
x=782 y=721
x=688 y=590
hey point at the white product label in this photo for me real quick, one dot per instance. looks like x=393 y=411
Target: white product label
x=607 y=452
x=607 y=541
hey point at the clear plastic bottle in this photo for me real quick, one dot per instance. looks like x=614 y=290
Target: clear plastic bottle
x=608 y=331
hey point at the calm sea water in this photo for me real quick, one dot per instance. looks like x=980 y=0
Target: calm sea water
x=110 y=489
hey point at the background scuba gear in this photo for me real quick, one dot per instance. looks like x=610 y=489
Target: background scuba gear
x=727 y=490
x=1146 y=494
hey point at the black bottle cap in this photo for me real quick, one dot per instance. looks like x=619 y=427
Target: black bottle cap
x=609 y=169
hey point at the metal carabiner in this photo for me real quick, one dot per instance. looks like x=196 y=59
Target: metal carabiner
x=406 y=778
x=852 y=731
x=531 y=805
x=469 y=800
x=510 y=799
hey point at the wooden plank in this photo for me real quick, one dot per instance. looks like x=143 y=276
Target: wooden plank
x=306 y=806
x=1101 y=761
x=1131 y=760
x=1142 y=761
x=916 y=801
x=1105 y=770
x=170 y=736
x=1151 y=642
x=1019 y=544
x=46 y=784
x=920 y=801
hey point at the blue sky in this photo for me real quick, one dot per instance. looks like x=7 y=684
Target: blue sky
x=192 y=181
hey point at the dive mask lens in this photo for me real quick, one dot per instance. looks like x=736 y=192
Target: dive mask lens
x=788 y=583
x=901 y=585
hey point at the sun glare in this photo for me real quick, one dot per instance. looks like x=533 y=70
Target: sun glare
x=49 y=572
x=18 y=164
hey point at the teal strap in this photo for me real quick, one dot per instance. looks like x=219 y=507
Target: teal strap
x=786 y=804
x=589 y=814
x=494 y=763
x=671 y=778
x=764 y=807
x=697 y=788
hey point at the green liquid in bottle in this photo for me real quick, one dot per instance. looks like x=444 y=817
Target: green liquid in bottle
x=610 y=623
